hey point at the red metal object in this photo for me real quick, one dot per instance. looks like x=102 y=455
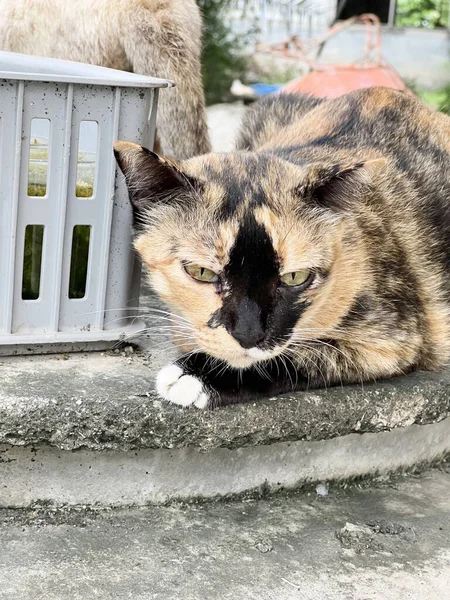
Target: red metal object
x=333 y=80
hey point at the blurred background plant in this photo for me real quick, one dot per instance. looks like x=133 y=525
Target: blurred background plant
x=224 y=58
x=439 y=99
x=422 y=13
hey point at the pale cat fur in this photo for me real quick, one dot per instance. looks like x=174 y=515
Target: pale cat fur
x=161 y=38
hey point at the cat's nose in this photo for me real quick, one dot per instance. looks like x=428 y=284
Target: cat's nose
x=248 y=329
x=249 y=339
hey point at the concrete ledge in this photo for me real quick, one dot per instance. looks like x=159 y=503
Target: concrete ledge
x=87 y=429
x=154 y=476
x=105 y=402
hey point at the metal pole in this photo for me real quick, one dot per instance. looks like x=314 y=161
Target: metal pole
x=392 y=13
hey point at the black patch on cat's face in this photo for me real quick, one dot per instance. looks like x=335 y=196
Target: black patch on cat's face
x=257 y=310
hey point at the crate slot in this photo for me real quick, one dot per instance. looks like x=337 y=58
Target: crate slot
x=38 y=157
x=87 y=159
x=32 y=262
x=79 y=261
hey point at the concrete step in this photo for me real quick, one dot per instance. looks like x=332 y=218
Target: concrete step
x=87 y=429
x=389 y=542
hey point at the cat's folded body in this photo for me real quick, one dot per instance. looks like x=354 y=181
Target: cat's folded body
x=316 y=254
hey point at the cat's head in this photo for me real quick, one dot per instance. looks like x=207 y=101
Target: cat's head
x=253 y=252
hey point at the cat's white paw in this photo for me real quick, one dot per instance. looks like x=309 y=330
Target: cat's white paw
x=184 y=390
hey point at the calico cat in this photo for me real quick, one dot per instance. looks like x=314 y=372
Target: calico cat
x=317 y=253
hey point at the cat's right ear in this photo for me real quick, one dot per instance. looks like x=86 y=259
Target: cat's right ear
x=338 y=188
x=151 y=179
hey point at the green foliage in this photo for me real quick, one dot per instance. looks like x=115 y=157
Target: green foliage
x=422 y=13
x=434 y=98
x=37 y=190
x=444 y=103
x=33 y=251
x=437 y=99
x=223 y=59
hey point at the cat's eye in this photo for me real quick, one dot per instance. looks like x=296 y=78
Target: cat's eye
x=201 y=273
x=302 y=277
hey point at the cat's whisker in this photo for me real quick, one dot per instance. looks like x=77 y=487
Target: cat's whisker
x=345 y=355
x=318 y=330
x=324 y=357
x=223 y=370
x=264 y=366
x=134 y=317
x=283 y=360
x=305 y=357
x=318 y=341
x=348 y=359
x=174 y=340
x=294 y=386
x=168 y=328
x=186 y=344
x=277 y=366
x=311 y=345
x=150 y=330
x=167 y=312
x=172 y=319
x=165 y=333
x=141 y=308
x=169 y=323
x=288 y=232
x=318 y=355
x=208 y=363
x=163 y=318
x=215 y=364
x=258 y=368
x=187 y=355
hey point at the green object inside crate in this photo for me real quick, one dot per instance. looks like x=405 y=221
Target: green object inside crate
x=32 y=259
x=38 y=171
x=33 y=251
x=35 y=244
x=40 y=189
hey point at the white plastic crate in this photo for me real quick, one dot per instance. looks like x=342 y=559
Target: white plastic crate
x=68 y=275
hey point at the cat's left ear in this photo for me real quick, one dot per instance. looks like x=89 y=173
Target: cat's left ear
x=338 y=187
x=151 y=179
